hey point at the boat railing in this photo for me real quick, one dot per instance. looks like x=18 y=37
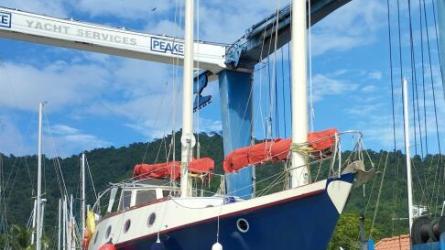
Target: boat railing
x=339 y=155
x=328 y=163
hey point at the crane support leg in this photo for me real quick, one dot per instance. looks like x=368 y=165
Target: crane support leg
x=236 y=111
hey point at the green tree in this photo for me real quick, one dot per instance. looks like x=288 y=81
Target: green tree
x=347 y=232
x=16 y=238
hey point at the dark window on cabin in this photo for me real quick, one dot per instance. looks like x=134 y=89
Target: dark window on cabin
x=126 y=200
x=165 y=193
x=144 y=196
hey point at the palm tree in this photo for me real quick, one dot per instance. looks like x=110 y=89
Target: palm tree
x=16 y=238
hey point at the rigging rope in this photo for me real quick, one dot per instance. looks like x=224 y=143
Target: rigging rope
x=260 y=92
x=413 y=78
x=439 y=169
x=283 y=93
x=441 y=75
x=198 y=147
x=56 y=161
x=270 y=127
x=432 y=78
x=290 y=82
x=437 y=38
x=395 y=196
x=400 y=43
x=91 y=177
x=377 y=204
x=423 y=78
x=275 y=75
x=309 y=43
x=373 y=185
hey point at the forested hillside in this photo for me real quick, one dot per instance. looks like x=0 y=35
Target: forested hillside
x=115 y=164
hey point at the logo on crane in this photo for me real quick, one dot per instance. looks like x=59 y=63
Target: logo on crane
x=5 y=19
x=167 y=46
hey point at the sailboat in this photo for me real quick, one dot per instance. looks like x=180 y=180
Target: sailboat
x=301 y=216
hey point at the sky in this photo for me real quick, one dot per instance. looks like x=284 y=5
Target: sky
x=96 y=100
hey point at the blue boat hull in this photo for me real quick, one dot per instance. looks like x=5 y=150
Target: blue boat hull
x=306 y=222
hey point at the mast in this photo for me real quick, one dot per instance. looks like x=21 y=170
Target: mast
x=407 y=153
x=42 y=215
x=299 y=171
x=39 y=182
x=64 y=231
x=187 y=137
x=33 y=235
x=82 y=198
x=59 y=226
x=70 y=222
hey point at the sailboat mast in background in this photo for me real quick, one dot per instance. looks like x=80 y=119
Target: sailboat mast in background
x=82 y=198
x=39 y=182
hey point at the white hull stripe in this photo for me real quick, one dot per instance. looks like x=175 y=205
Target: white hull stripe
x=338 y=192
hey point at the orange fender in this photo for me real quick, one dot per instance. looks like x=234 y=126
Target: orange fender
x=108 y=246
x=86 y=240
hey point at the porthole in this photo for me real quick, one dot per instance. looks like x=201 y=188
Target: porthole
x=96 y=236
x=151 y=219
x=127 y=226
x=242 y=225
x=108 y=232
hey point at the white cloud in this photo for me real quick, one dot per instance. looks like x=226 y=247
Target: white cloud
x=226 y=21
x=325 y=42
x=354 y=25
x=128 y=9
x=165 y=27
x=61 y=84
x=12 y=141
x=59 y=140
x=375 y=75
x=324 y=86
x=373 y=116
x=151 y=115
x=139 y=78
x=51 y=8
x=61 y=129
x=369 y=88
x=63 y=140
x=220 y=21
x=139 y=91
x=209 y=125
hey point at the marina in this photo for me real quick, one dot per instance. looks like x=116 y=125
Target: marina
x=243 y=145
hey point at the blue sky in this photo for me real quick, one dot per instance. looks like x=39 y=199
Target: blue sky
x=97 y=100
